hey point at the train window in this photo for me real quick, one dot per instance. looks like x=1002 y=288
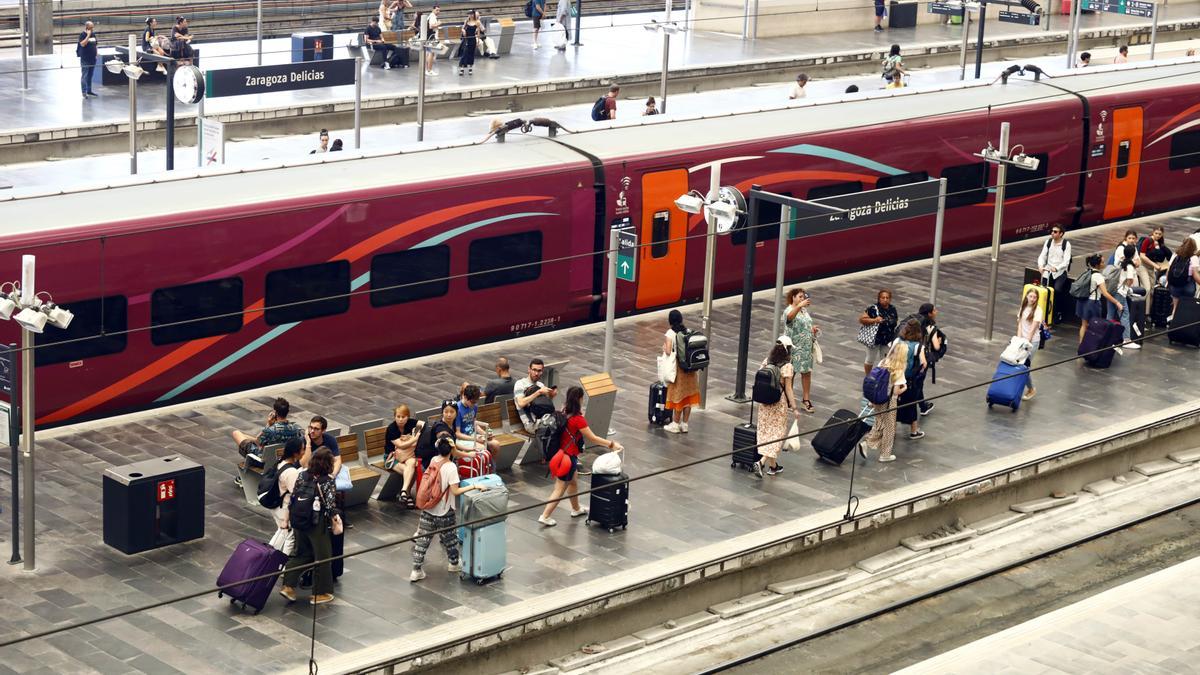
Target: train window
x=514 y=257
x=194 y=311
x=98 y=328
x=307 y=292
x=834 y=190
x=965 y=184
x=405 y=276
x=901 y=179
x=1022 y=182
x=1123 y=159
x=660 y=234
x=1185 y=151
x=768 y=223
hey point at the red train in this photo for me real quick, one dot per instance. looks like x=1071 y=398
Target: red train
x=187 y=286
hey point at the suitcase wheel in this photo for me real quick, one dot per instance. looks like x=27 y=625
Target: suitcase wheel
x=1014 y=408
x=989 y=405
x=220 y=594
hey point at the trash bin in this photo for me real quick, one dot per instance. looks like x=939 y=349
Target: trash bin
x=312 y=47
x=153 y=503
x=902 y=14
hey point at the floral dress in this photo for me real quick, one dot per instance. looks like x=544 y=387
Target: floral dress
x=773 y=419
x=800 y=330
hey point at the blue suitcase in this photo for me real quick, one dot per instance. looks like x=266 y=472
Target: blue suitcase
x=1008 y=391
x=484 y=549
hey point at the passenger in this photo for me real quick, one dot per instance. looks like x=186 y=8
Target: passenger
x=148 y=40
x=651 y=107
x=883 y=433
x=1054 y=262
x=893 y=68
x=915 y=366
x=277 y=430
x=1030 y=320
x=431 y=37
x=441 y=428
x=319 y=438
x=288 y=469
x=684 y=392
x=935 y=348
x=501 y=385
x=1085 y=60
x=562 y=15
x=798 y=326
x=1122 y=54
x=880 y=10
x=471 y=29
x=470 y=433
x=533 y=399
x=86 y=47
x=1186 y=253
x=373 y=36
x=400 y=438
x=1127 y=281
x=181 y=39
x=571 y=443
x=323 y=143
x=883 y=315
x=441 y=515
x=313 y=516
x=539 y=11
x=1091 y=307
x=161 y=45
x=774 y=419
x=610 y=103
x=384 y=14
x=1143 y=276
x=798 y=87
x=1156 y=255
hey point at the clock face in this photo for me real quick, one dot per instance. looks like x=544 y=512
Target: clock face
x=188 y=84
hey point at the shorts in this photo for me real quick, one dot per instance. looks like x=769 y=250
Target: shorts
x=574 y=467
x=537 y=23
x=1183 y=292
x=250 y=449
x=465 y=445
x=879 y=9
x=1088 y=309
x=875 y=354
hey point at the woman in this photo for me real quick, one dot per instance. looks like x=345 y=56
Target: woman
x=935 y=348
x=1090 y=307
x=684 y=392
x=1186 y=252
x=1126 y=287
x=398 y=7
x=651 y=107
x=915 y=367
x=182 y=41
x=313 y=515
x=562 y=15
x=883 y=432
x=401 y=439
x=441 y=515
x=884 y=315
x=1156 y=256
x=148 y=35
x=775 y=418
x=470 y=31
x=571 y=443
x=893 y=67
x=798 y=325
x=386 y=14
x=443 y=427
x=1029 y=327
x=1142 y=271
x=286 y=471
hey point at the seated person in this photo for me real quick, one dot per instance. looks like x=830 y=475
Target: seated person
x=469 y=433
x=317 y=439
x=501 y=385
x=181 y=38
x=277 y=430
x=432 y=432
x=374 y=37
x=400 y=441
x=533 y=399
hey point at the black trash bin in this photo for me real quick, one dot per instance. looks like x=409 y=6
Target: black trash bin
x=153 y=503
x=902 y=14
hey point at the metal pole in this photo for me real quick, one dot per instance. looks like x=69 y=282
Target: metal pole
x=979 y=39
x=1153 y=31
x=1073 y=34
x=739 y=382
x=578 y=21
x=785 y=216
x=754 y=24
x=132 y=109
x=997 y=222
x=610 y=301
x=27 y=299
x=24 y=61
x=937 y=241
x=421 y=78
x=662 y=87
x=966 y=36
x=710 y=260
x=200 y=134
x=14 y=423
x=170 y=117
x=358 y=66
x=745 y=19
x=258 y=29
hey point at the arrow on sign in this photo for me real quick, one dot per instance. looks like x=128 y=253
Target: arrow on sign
x=625 y=267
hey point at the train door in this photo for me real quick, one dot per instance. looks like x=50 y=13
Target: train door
x=663 y=228
x=1124 y=162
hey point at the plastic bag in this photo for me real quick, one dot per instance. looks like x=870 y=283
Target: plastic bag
x=666 y=368
x=609 y=463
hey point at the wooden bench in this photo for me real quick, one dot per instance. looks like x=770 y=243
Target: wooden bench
x=533 y=449
x=363 y=480
x=492 y=415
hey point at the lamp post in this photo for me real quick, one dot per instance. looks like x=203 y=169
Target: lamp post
x=666 y=29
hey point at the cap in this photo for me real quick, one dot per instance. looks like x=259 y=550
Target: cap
x=785 y=341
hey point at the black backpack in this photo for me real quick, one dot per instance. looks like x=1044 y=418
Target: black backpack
x=301 y=514
x=529 y=9
x=691 y=350
x=551 y=435
x=1177 y=273
x=268 y=486
x=598 y=112
x=768 y=385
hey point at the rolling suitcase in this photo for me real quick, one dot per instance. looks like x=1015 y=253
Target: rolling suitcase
x=745 y=442
x=485 y=546
x=480 y=465
x=1045 y=300
x=609 y=507
x=658 y=413
x=1008 y=391
x=1160 y=306
x=1137 y=319
x=1185 y=326
x=251 y=559
x=1100 y=335
x=839 y=436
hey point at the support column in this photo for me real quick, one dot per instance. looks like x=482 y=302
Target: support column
x=41 y=28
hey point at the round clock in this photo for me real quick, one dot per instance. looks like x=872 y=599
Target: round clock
x=188 y=84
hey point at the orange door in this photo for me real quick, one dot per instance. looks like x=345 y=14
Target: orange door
x=664 y=249
x=1123 y=161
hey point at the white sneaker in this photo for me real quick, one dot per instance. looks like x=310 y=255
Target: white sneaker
x=387 y=66
x=683 y=427
x=581 y=512
x=1133 y=345
x=454 y=567
x=548 y=522
x=672 y=428
x=416 y=575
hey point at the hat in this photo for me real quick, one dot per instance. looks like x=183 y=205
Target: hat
x=785 y=341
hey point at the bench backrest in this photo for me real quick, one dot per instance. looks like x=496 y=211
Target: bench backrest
x=407 y=34
x=514 y=417
x=388 y=36
x=375 y=445
x=348 y=447
x=491 y=414
x=453 y=32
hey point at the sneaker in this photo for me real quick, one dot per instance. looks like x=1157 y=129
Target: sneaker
x=93 y=94
x=548 y=522
x=321 y=599
x=470 y=71
x=237 y=480
x=916 y=435
x=581 y=512
x=928 y=409
x=778 y=468
x=672 y=428
x=757 y=469
x=1133 y=345
x=878 y=29
x=535 y=45
x=454 y=567
x=683 y=427
x=460 y=72
x=887 y=458
x=387 y=66
x=1029 y=394
x=416 y=576
x=862 y=451
x=288 y=592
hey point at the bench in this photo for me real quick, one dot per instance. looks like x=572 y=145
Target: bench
x=371 y=438
x=492 y=414
x=251 y=475
x=533 y=449
x=550 y=372
x=363 y=480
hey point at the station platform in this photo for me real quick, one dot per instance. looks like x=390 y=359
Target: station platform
x=1146 y=625
x=51 y=119
x=78 y=577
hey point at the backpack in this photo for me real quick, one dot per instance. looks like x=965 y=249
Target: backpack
x=691 y=350
x=529 y=9
x=551 y=435
x=268 y=487
x=1112 y=278
x=877 y=385
x=1081 y=288
x=598 y=112
x=1177 y=273
x=768 y=385
x=301 y=514
x=431 y=491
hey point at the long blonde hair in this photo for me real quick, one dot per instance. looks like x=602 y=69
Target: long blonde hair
x=897 y=359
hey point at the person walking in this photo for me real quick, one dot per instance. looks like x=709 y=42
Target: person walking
x=893 y=68
x=935 y=348
x=915 y=366
x=571 y=443
x=798 y=326
x=562 y=15
x=539 y=12
x=880 y=11
x=774 y=419
x=313 y=516
x=1054 y=262
x=470 y=32
x=1029 y=327
x=684 y=392
x=441 y=515
x=883 y=433
x=86 y=48
x=884 y=317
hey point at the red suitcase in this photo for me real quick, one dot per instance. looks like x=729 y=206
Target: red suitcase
x=481 y=465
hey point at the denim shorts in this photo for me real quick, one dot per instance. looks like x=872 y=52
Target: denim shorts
x=1182 y=292
x=1089 y=309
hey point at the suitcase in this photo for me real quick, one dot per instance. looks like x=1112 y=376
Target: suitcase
x=1185 y=327
x=1008 y=391
x=250 y=559
x=834 y=443
x=1045 y=300
x=745 y=442
x=609 y=508
x=1137 y=319
x=1033 y=276
x=402 y=56
x=1101 y=334
x=658 y=413
x=1160 y=306
x=481 y=465
x=484 y=549
x=338 y=547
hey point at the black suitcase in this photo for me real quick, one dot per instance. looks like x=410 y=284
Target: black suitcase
x=1185 y=327
x=1160 y=306
x=1099 y=336
x=1137 y=319
x=658 y=413
x=339 y=547
x=839 y=436
x=609 y=507
x=745 y=442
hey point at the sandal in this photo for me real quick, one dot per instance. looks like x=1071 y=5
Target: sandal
x=407 y=500
x=808 y=406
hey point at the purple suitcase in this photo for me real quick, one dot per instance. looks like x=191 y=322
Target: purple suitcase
x=251 y=559
x=1101 y=333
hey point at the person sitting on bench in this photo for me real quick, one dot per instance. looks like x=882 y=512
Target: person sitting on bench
x=277 y=430
x=391 y=53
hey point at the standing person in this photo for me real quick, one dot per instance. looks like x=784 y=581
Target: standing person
x=313 y=516
x=775 y=418
x=883 y=434
x=400 y=440
x=1054 y=262
x=1156 y=256
x=935 y=348
x=610 y=103
x=893 y=67
x=1029 y=327
x=1122 y=54
x=470 y=31
x=1141 y=270
x=1091 y=307
x=1127 y=279
x=562 y=15
x=880 y=10
x=798 y=86
x=651 y=107
x=286 y=472
x=501 y=385
x=1085 y=60
x=884 y=315
x=398 y=7
x=1184 y=284
x=571 y=443
x=441 y=515
x=431 y=36
x=915 y=366
x=684 y=392
x=539 y=11
x=85 y=49
x=798 y=326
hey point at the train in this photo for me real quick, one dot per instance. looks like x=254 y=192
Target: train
x=189 y=285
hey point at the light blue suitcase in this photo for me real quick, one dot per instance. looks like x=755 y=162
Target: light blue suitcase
x=484 y=549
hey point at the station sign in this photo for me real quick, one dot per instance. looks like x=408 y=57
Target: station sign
x=1026 y=18
x=281 y=77
x=1129 y=7
x=949 y=8
x=874 y=207
x=627 y=248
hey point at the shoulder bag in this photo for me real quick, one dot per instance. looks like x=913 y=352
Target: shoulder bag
x=866 y=334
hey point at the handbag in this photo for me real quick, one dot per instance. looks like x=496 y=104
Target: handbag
x=342 y=481
x=666 y=368
x=283 y=541
x=336 y=527
x=818 y=357
x=1046 y=335
x=866 y=334
x=792 y=443
x=1017 y=352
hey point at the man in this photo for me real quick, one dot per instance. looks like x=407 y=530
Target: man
x=391 y=54
x=610 y=103
x=317 y=439
x=1085 y=59
x=798 y=87
x=533 y=398
x=324 y=143
x=879 y=12
x=501 y=385
x=539 y=10
x=277 y=430
x=86 y=51
x=1054 y=262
